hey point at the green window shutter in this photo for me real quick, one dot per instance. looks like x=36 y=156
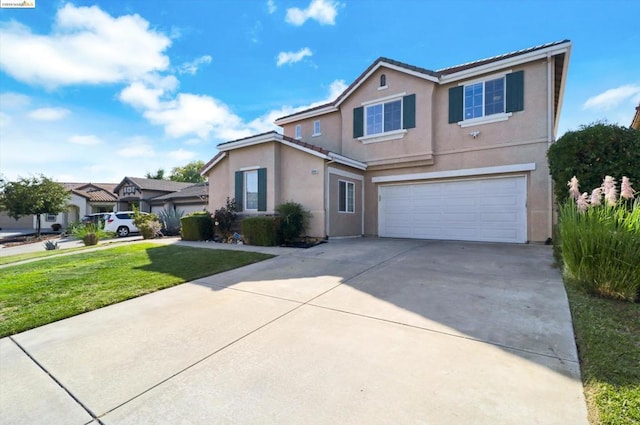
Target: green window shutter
x=409 y=111
x=239 y=189
x=358 y=122
x=456 y=99
x=262 y=189
x=515 y=92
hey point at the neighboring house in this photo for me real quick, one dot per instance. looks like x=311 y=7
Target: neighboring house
x=139 y=192
x=635 y=123
x=457 y=153
x=85 y=198
x=192 y=198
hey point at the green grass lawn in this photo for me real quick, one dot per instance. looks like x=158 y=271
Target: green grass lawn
x=608 y=338
x=51 y=289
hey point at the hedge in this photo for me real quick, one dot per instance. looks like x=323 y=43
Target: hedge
x=261 y=231
x=197 y=227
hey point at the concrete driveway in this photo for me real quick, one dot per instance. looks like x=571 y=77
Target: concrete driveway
x=360 y=331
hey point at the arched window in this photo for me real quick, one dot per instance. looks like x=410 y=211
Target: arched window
x=383 y=80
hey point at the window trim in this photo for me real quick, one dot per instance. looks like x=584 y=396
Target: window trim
x=485 y=119
x=347 y=183
x=298 y=131
x=245 y=192
x=383 y=103
x=316 y=133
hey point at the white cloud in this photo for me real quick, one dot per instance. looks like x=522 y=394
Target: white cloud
x=192 y=67
x=88 y=140
x=87 y=46
x=137 y=150
x=181 y=155
x=323 y=11
x=49 y=114
x=5 y=120
x=613 y=97
x=10 y=100
x=293 y=57
x=271 y=6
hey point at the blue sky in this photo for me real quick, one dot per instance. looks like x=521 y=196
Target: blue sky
x=93 y=91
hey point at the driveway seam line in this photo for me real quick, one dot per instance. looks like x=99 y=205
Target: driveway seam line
x=469 y=338
x=54 y=379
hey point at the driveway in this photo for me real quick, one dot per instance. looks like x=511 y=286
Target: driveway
x=357 y=331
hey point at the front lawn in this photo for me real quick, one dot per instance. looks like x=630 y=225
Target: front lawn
x=51 y=289
x=608 y=339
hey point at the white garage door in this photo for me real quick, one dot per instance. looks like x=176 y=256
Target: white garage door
x=490 y=210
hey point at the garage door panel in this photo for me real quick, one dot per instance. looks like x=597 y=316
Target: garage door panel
x=491 y=210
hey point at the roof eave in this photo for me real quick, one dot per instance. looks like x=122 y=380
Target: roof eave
x=505 y=63
x=206 y=169
x=303 y=115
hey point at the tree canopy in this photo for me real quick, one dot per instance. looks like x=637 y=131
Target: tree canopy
x=189 y=173
x=33 y=195
x=591 y=153
x=159 y=175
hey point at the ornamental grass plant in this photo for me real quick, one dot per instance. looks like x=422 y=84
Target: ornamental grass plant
x=600 y=240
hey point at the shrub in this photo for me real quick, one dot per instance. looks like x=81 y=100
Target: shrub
x=600 y=240
x=261 y=231
x=225 y=217
x=197 y=227
x=170 y=220
x=148 y=224
x=294 y=219
x=90 y=233
x=593 y=152
x=51 y=245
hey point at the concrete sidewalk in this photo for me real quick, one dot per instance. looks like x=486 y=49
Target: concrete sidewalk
x=366 y=331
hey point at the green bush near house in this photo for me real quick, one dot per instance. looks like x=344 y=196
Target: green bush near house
x=294 y=220
x=197 y=227
x=148 y=224
x=261 y=231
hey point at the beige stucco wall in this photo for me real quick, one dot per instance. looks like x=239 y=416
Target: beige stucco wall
x=344 y=223
x=330 y=131
x=290 y=176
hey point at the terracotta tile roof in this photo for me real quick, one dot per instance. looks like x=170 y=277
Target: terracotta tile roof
x=436 y=74
x=95 y=192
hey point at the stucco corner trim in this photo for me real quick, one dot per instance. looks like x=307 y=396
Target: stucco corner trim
x=500 y=169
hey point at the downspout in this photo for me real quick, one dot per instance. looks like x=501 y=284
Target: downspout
x=550 y=127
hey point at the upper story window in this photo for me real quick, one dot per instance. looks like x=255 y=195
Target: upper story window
x=484 y=98
x=383 y=80
x=487 y=101
x=316 y=128
x=298 y=131
x=383 y=117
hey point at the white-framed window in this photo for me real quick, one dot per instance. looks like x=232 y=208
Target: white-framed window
x=316 y=128
x=346 y=196
x=51 y=217
x=484 y=98
x=298 y=131
x=251 y=190
x=383 y=117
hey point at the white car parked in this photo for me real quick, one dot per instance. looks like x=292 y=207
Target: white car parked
x=121 y=222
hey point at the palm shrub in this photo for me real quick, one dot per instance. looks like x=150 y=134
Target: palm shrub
x=90 y=233
x=294 y=220
x=170 y=219
x=600 y=240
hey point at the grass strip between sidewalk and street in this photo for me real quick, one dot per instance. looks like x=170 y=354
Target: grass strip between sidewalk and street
x=608 y=339
x=51 y=289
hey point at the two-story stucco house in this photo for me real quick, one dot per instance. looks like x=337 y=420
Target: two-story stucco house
x=457 y=153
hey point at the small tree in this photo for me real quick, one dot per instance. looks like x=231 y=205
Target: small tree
x=225 y=218
x=190 y=173
x=33 y=196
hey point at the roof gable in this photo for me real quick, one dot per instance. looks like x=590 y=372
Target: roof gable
x=441 y=76
x=152 y=184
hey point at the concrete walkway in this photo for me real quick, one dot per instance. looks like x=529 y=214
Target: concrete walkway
x=365 y=331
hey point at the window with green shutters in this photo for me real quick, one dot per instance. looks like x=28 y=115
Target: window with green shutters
x=384 y=117
x=251 y=190
x=486 y=98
